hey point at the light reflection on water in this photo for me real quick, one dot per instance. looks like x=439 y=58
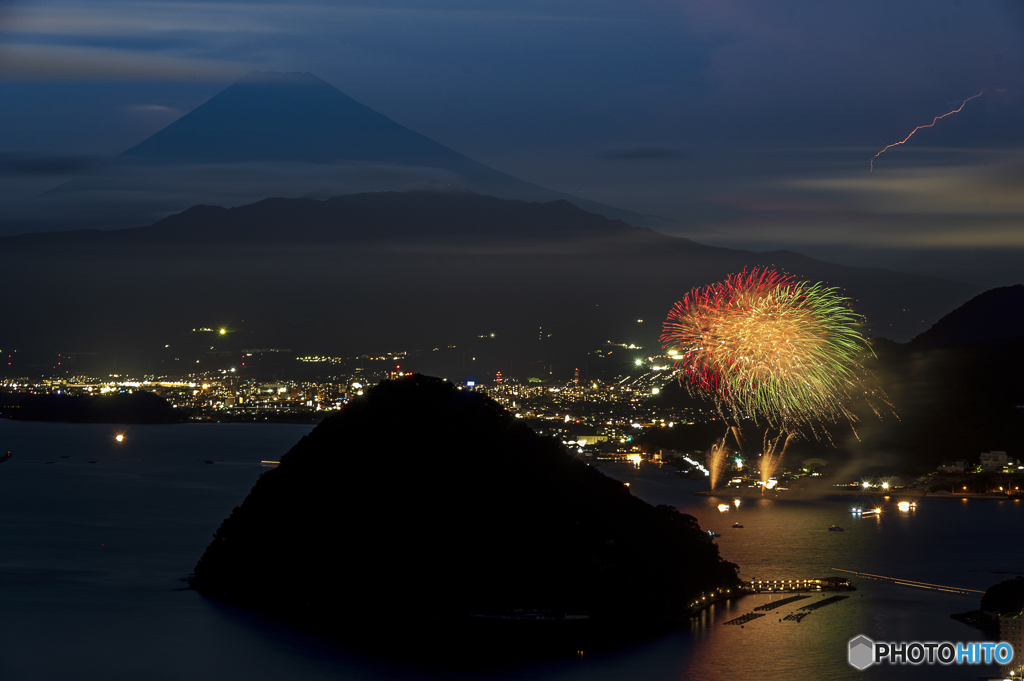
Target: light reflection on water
x=943 y=541
x=91 y=557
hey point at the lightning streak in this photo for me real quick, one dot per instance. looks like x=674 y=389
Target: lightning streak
x=934 y=121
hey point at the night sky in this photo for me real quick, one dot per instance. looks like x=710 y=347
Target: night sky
x=753 y=123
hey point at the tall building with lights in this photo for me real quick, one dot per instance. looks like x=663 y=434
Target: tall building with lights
x=1011 y=630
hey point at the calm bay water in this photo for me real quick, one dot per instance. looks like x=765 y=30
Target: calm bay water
x=92 y=556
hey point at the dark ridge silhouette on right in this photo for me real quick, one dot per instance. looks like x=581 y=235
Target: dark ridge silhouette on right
x=994 y=316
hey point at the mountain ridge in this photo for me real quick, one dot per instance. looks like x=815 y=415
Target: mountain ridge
x=987 y=318
x=456 y=264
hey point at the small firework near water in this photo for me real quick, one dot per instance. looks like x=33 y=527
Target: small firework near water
x=761 y=344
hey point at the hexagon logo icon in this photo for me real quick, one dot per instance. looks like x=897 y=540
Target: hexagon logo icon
x=862 y=652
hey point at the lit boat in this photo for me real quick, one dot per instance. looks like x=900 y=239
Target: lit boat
x=737 y=526
x=712 y=533
x=834 y=528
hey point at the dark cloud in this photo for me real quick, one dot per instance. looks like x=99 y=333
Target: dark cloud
x=644 y=154
x=41 y=165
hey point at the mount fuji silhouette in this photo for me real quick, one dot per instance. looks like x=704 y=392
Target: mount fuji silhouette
x=294 y=118
x=278 y=135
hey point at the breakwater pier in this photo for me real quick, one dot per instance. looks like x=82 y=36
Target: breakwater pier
x=778 y=604
x=757 y=586
x=911 y=582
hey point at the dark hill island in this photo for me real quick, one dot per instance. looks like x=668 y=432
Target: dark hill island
x=422 y=503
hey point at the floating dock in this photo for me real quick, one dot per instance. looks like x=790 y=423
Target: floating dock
x=779 y=604
x=743 y=619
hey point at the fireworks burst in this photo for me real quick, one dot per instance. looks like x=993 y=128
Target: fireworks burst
x=762 y=344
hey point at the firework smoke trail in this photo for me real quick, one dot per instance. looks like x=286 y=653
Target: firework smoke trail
x=737 y=435
x=761 y=343
x=771 y=457
x=715 y=458
x=934 y=121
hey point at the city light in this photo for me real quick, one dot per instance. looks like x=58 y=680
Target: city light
x=119 y=437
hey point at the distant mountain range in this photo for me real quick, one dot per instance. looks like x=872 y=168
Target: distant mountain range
x=414 y=217
x=275 y=134
x=415 y=270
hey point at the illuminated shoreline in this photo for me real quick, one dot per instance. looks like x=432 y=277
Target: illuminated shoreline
x=752 y=493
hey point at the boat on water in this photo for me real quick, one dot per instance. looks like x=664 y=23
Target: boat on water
x=834 y=528
x=857 y=510
x=712 y=533
x=737 y=526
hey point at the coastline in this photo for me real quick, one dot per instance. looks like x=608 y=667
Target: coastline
x=805 y=494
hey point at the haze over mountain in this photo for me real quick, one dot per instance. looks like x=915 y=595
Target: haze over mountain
x=378 y=271
x=958 y=387
x=272 y=134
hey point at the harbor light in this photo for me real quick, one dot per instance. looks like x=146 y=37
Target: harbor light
x=736 y=502
x=723 y=507
x=903 y=505
x=119 y=437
